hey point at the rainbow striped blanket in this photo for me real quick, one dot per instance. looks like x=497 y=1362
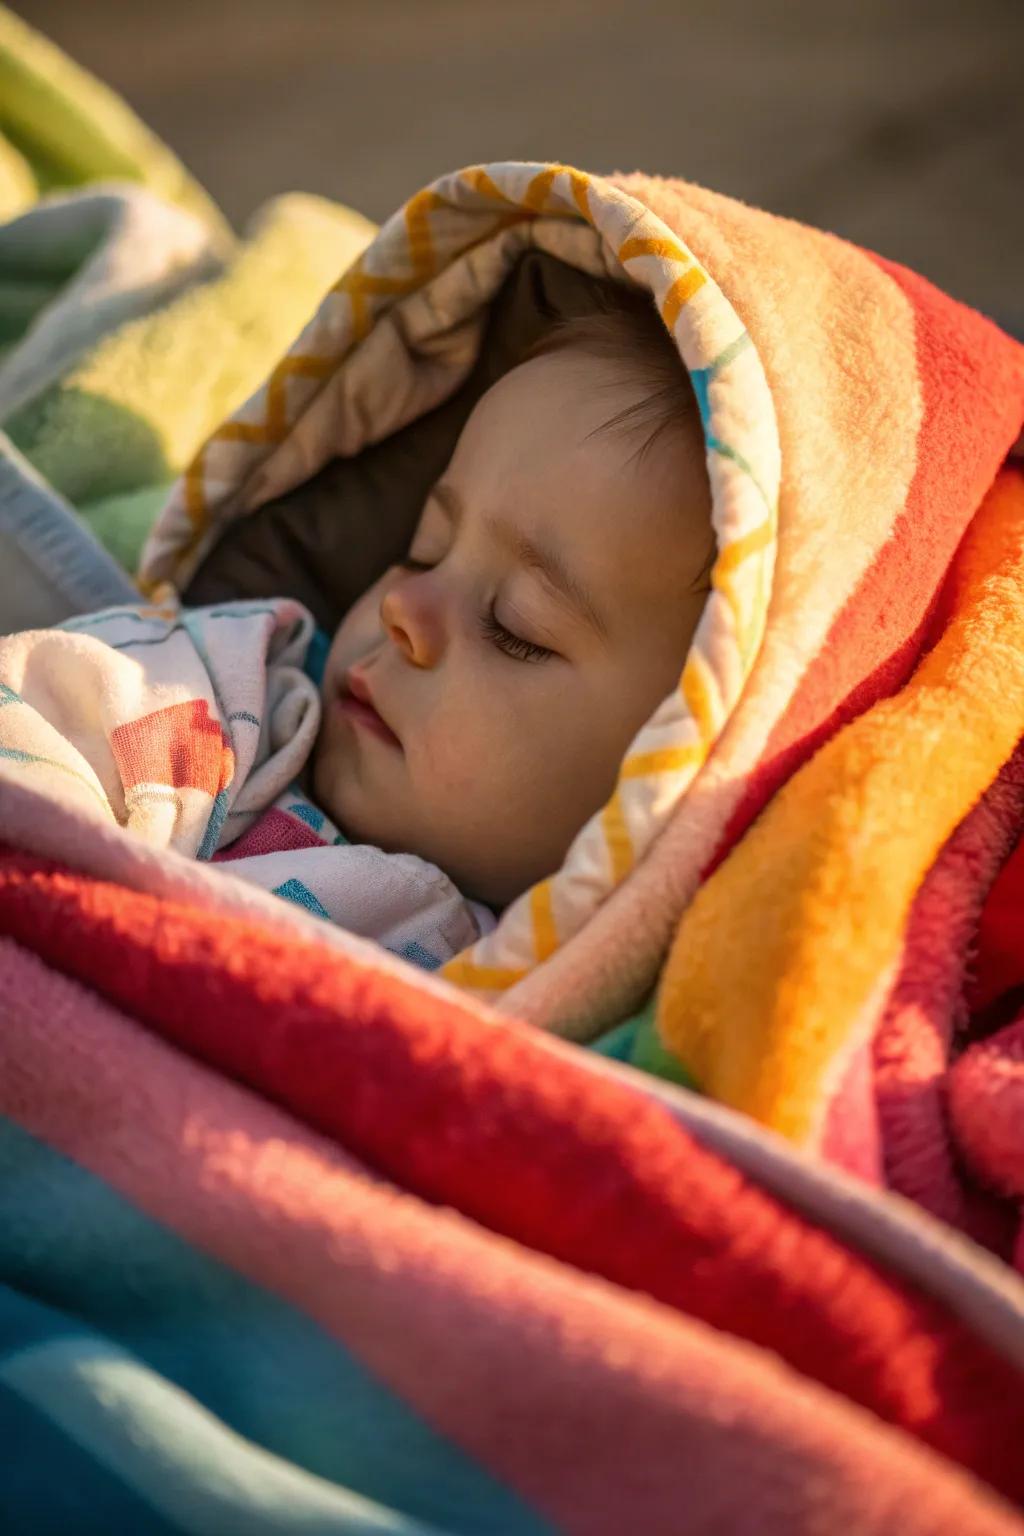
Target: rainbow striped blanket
x=297 y=1238
x=854 y=681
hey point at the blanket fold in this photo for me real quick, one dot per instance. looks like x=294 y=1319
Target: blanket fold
x=661 y=1216
x=819 y=895
x=855 y=421
x=131 y=318
x=192 y=732
x=296 y=1237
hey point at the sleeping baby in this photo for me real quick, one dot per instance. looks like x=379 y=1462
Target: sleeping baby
x=437 y=757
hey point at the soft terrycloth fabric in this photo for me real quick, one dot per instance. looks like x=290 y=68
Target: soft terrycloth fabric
x=131 y=320
x=291 y=1225
x=519 y=1131
x=380 y=1279
x=78 y=265
x=851 y=899
x=123 y=416
x=882 y=555
x=187 y=730
x=1000 y=958
x=867 y=607
x=927 y=1018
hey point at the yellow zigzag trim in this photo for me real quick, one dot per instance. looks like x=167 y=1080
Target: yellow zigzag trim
x=730 y=558
x=643 y=765
x=648 y=245
x=273 y=429
x=617 y=838
x=580 y=185
x=417 y=223
x=475 y=177
x=482 y=978
x=545 y=934
x=277 y=400
x=537 y=195
x=698 y=699
x=680 y=294
x=360 y=286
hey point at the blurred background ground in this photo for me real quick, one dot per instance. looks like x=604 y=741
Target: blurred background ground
x=899 y=123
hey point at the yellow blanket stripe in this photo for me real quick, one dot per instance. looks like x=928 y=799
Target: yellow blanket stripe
x=748 y=619
x=696 y=687
x=417 y=222
x=664 y=250
x=477 y=178
x=680 y=293
x=277 y=423
x=817 y=895
x=667 y=760
x=545 y=934
x=482 y=978
x=616 y=833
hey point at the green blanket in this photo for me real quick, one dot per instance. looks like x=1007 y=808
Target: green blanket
x=132 y=320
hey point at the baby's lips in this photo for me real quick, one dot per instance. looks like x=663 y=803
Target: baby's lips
x=355 y=685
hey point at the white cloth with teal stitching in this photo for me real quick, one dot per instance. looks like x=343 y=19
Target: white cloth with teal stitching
x=188 y=729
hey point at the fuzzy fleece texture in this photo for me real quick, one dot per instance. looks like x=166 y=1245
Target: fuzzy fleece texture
x=296 y=1237
x=854 y=420
x=529 y=1310
x=132 y=320
x=866 y=604
x=819 y=898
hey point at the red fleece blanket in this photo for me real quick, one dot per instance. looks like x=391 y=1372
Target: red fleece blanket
x=525 y=1139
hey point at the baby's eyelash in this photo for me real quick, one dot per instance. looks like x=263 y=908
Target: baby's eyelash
x=512 y=645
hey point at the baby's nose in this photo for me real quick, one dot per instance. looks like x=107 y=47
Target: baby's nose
x=412 y=624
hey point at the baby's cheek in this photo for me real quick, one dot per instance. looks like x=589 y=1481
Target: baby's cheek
x=449 y=765
x=465 y=757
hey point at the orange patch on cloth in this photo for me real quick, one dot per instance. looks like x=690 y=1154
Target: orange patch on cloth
x=181 y=746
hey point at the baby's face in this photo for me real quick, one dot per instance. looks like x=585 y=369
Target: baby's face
x=544 y=613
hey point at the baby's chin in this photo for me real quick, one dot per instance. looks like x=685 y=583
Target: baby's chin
x=333 y=783
x=351 y=790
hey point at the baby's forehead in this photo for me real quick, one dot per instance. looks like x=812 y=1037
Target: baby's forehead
x=555 y=397
x=537 y=454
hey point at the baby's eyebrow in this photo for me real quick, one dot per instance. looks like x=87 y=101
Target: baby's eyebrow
x=554 y=571
x=550 y=564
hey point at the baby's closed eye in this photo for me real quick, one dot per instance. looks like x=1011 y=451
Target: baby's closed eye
x=510 y=643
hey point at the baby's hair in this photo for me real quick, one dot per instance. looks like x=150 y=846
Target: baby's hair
x=622 y=324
